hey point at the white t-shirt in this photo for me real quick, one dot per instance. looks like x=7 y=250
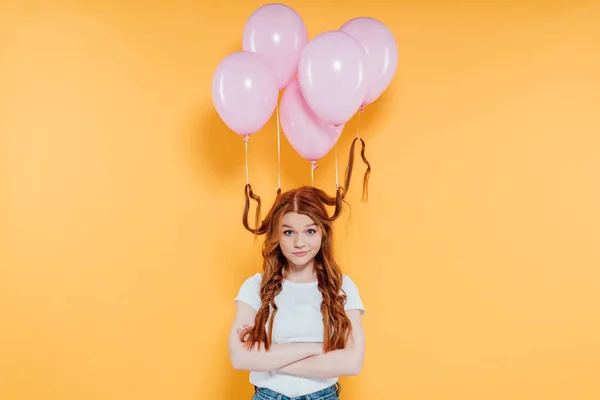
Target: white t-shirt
x=298 y=319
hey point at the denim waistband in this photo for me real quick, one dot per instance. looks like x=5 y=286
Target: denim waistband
x=325 y=394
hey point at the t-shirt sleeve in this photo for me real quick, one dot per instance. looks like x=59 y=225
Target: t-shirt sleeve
x=249 y=292
x=353 y=300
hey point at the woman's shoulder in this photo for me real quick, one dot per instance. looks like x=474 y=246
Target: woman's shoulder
x=347 y=281
x=253 y=280
x=353 y=299
x=249 y=292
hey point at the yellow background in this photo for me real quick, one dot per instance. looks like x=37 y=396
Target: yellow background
x=121 y=194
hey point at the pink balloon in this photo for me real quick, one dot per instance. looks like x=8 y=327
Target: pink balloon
x=380 y=45
x=278 y=33
x=244 y=92
x=311 y=137
x=333 y=76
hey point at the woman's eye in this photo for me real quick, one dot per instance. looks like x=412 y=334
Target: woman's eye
x=311 y=231
x=287 y=233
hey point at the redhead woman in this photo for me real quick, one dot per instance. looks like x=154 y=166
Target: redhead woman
x=297 y=326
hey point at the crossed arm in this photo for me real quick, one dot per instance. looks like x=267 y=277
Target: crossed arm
x=299 y=359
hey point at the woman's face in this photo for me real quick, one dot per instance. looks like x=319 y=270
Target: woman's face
x=300 y=238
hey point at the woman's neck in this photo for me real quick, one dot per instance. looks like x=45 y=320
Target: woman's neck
x=300 y=273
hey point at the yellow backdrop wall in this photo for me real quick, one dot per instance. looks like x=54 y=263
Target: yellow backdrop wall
x=121 y=194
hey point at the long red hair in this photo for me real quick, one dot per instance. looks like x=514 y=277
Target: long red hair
x=311 y=202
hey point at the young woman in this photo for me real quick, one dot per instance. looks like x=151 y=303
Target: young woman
x=298 y=325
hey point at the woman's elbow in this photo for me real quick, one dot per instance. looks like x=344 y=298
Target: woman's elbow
x=237 y=359
x=355 y=371
x=355 y=368
x=237 y=363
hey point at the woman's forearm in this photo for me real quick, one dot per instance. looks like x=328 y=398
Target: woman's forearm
x=328 y=365
x=346 y=362
x=278 y=356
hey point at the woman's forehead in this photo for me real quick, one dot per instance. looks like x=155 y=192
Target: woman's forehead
x=296 y=220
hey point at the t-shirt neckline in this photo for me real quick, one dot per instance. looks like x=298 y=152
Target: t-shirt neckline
x=300 y=284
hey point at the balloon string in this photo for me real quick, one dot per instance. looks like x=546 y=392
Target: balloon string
x=246 y=141
x=313 y=167
x=337 y=178
x=278 y=151
x=362 y=109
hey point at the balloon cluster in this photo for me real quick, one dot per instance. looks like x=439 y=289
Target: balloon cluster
x=326 y=80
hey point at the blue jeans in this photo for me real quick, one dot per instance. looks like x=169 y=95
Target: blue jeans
x=330 y=393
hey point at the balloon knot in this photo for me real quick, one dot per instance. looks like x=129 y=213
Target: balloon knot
x=246 y=138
